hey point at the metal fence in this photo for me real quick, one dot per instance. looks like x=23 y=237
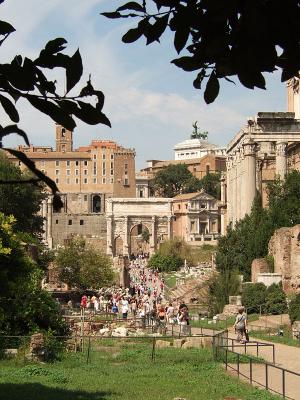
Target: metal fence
x=272 y=377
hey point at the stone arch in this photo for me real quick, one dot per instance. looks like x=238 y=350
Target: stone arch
x=96 y=204
x=137 y=242
x=118 y=246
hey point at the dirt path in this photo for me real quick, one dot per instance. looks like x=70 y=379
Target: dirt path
x=287 y=357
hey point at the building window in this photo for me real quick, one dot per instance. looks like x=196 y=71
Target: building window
x=139 y=229
x=63 y=132
x=70 y=222
x=76 y=163
x=178 y=206
x=111 y=156
x=85 y=197
x=95 y=168
x=85 y=163
x=207 y=169
x=203 y=206
x=56 y=221
x=186 y=206
x=85 y=181
x=103 y=180
x=96 y=204
x=193 y=226
x=95 y=156
x=103 y=156
x=141 y=193
x=111 y=180
x=57 y=172
x=68 y=163
x=126 y=182
x=68 y=172
x=95 y=180
x=56 y=180
x=76 y=180
x=85 y=172
x=81 y=222
x=76 y=171
x=63 y=147
x=57 y=163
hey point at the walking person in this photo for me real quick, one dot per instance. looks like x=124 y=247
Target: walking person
x=240 y=325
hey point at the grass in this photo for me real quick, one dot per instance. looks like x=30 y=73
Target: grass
x=170 y=280
x=220 y=325
x=123 y=370
x=202 y=254
x=287 y=337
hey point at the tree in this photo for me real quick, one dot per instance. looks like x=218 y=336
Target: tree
x=23 y=200
x=222 y=38
x=81 y=266
x=165 y=263
x=197 y=134
x=26 y=79
x=211 y=184
x=275 y=300
x=254 y=297
x=175 y=179
x=24 y=306
x=294 y=309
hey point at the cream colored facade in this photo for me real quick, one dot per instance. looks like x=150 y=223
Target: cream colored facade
x=268 y=146
x=196 y=217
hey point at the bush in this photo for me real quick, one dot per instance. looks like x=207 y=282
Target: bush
x=54 y=348
x=294 y=309
x=165 y=263
x=254 y=297
x=275 y=300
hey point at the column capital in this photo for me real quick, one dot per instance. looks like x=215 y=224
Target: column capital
x=249 y=148
x=281 y=148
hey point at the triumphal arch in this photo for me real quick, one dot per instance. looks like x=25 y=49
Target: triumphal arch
x=137 y=225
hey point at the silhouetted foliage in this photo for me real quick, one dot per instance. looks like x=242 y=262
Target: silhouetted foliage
x=221 y=39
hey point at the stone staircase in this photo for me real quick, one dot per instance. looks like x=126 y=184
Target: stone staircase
x=192 y=289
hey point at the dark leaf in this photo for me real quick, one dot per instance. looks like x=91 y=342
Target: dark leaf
x=181 y=37
x=74 y=70
x=56 y=113
x=250 y=79
x=52 y=60
x=55 y=45
x=90 y=115
x=132 y=35
x=111 y=15
x=212 y=89
x=88 y=90
x=132 y=5
x=155 y=31
x=14 y=129
x=9 y=108
x=228 y=80
x=31 y=166
x=187 y=63
x=6 y=28
x=101 y=98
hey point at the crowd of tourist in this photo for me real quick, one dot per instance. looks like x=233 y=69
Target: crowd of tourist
x=144 y=299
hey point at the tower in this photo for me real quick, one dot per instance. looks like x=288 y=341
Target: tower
x=64 y=139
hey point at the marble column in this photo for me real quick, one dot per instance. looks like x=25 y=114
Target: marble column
x=109 y=224
x=170 y=227
x=281 y=159
x=153 y=235
x=250 y=177
x=49 y=222
x=125 y=240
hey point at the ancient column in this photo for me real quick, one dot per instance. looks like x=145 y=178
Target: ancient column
x=250 y=177
x=223 y=188
x=153 y=235
x=49 y=222
x=109 y=224
x=281 y=159
x=125 y=241
x=170 y=227
x=229 y=190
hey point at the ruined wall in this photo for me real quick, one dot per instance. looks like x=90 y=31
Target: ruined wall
x=258 y=266
x=284 y=246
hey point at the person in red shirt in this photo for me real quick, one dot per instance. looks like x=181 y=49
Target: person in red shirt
x=83 y=302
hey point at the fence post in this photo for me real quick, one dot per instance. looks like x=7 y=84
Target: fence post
x=267 y=383
x=153 y=349
x=283 y=383
x=256 y=349
x=273 y=354
x=88 y=351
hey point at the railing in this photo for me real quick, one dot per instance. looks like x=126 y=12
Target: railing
x=266 y=374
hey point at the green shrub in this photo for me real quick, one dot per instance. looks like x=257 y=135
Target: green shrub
x=165 y=263
x=294 y=309
x=275 y=300
x=54 y=348
x=254 y=297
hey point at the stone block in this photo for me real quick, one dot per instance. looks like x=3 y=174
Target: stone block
x=162 y=344
x=178 y=342
x=193 y=342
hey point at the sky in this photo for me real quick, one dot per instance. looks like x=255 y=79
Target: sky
x=150 y=102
